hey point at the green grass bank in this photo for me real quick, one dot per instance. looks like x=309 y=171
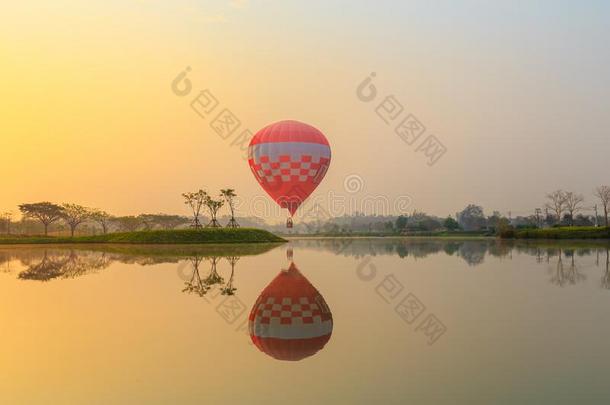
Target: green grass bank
x=181 y=236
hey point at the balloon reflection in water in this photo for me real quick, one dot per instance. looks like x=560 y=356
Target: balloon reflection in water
x=290 y=319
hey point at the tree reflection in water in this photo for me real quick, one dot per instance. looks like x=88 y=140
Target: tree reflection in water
x=195 y=284
x=563 y=275
x=64 y=264
x=202 y=285
x=606 y=276
x=213 y=277
x=473 y=252
x=45 y=263
x=228 y=288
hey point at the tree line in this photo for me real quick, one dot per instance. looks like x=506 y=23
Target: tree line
x=74 y=215
x=562 y=208
x=199 y=199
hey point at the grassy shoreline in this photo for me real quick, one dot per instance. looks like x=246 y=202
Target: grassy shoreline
x=364 y=235
x=571 y=233
x=416 y=237
x=252 y=235
x=568 y=232
x=181 y=236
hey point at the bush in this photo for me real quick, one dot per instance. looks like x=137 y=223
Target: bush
x=507 y=233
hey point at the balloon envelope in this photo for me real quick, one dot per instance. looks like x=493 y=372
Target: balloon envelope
x=290 y=319
x=289 y=159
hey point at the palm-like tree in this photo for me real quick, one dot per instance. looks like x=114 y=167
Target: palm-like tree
x=213 y=208
x=195 y=200
x=8 y=217
x=229 y=195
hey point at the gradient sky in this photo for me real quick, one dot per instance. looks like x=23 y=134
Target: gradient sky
x=518 y=92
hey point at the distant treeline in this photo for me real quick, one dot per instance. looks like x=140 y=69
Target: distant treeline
x=44 y=217
x=562 y=208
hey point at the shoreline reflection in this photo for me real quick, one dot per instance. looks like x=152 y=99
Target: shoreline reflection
x=57 y=262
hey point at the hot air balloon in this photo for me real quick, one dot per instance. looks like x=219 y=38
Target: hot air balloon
x=290 y=319
x=289 y=159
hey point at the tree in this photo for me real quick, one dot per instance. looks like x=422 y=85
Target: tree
x=45 y=212
x=472 y=218
x=163 y=221
x=494 y=220
x=102 y=218
x=573 y=204
x=74 y=215
x=421 y=222
x=429 y=224
x=8 y=217
x=166 y=221
x=213 y=208
x=229 y=195
x=584 y=220
x=603 y=193
x=503 y=227
x=147 y=220
x=451 y=224
x=557 y=200
x=401 y=222
x=128 y=223
x=195 y=200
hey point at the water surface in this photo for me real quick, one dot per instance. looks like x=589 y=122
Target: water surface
x=351 y=321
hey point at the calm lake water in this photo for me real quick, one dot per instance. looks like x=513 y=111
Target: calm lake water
x=350 y=321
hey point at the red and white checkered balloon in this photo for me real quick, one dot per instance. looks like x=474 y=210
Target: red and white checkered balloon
x=289 y=159
x=290 y=319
